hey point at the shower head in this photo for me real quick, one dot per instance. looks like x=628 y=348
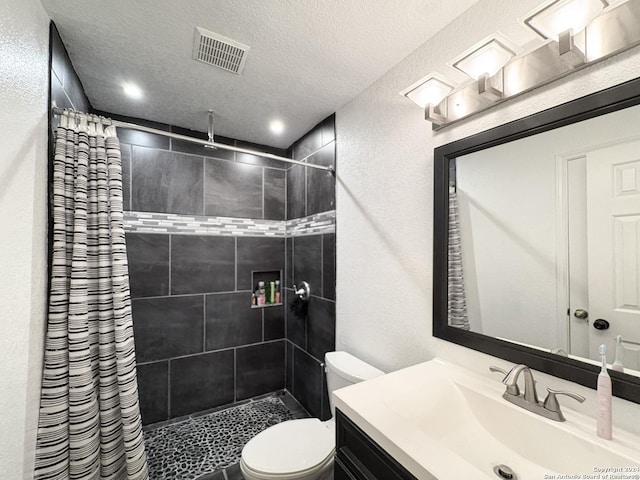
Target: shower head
x=210 y=132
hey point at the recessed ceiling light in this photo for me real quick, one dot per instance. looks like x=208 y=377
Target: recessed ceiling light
x=132 y=90
x=276 y=126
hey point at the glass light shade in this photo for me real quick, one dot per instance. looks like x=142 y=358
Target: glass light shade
x=430 y=90
x=488 y=59
x=561 y=15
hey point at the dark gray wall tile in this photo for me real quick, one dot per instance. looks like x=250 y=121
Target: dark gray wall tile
x=233 y=190
x=328 y=127
x=296 y=205
x=202 y=264
x=326 y=406
x=308 y=144
x=219 y=475
x=321 y=327
x=289 y=373
x=230 y=321
x=320 y=184
x=59 y=97
x=167 y=327
x=166 y=182
x=258 y=159
x=234 y=473
x=273 y=323
x=197 y=149
x=75 y=91
x=148 y=257
x=288 y=274
x=307 y=381
x=65 y=87
x=258 y=254
x=201 y=382
x=58 y=54
x=125 y=156
x=153 y=390
x=329 y=266
x=307 y=261
x=296 y=325
x=274 y=194
x=260 y=369
x=143 y=139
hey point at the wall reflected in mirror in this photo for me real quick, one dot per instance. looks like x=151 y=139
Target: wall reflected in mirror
x=544 y=248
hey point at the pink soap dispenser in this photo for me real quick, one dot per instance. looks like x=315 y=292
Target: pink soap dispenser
x=604 y=398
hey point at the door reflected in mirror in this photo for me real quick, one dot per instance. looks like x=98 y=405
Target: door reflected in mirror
x=544 y=247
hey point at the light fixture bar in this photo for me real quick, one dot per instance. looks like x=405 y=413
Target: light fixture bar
x=487 y=90
x=432 y=116
x=568 y=51
x=612 y=32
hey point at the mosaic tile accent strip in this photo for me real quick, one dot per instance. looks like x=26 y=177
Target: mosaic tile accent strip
x=324 y=222
x=147 y=222
x=189 y=449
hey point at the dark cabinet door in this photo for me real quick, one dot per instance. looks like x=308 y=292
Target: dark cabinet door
x=358 y=457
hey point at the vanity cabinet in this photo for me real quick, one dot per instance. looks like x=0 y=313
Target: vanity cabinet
x=358 y=457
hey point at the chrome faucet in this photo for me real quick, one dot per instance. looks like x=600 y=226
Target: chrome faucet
x=530 y=394
x=550 y=408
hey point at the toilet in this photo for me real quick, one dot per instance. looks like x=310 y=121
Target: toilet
x=303 y=449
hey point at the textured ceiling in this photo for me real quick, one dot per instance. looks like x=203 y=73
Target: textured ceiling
x=307 y=57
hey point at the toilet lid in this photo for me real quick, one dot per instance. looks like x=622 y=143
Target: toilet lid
x=289 y=447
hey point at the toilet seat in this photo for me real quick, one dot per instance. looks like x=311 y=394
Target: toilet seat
x=292 y=449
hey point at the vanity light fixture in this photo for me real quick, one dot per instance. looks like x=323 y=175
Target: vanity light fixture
x=561 y=20
x=484 y=60
x=428 y=93
x=501 y=72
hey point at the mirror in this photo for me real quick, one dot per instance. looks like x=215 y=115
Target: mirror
x=537 y=239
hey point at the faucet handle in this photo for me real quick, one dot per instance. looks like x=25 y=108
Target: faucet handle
x=551 y=402
x=495 y=369
x=511 y=389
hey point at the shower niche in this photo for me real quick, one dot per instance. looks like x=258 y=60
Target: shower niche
x=267 y=288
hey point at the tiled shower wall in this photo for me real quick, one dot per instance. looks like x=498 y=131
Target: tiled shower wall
x=311 y=258
x=199 y=344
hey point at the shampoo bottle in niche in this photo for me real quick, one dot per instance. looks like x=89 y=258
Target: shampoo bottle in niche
x=261 y=294
x=604 y=398
x=617 y=361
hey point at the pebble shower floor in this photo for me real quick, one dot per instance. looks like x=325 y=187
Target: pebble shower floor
x=203 y=444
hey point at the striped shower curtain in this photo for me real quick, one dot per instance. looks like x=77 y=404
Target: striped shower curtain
x=457 y=301
x=89 y=425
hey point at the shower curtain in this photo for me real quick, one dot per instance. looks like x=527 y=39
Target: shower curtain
x=457 y=301
x=89 y=425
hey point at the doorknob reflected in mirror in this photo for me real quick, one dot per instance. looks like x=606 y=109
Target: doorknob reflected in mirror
x=601 y=324
x=581 y=314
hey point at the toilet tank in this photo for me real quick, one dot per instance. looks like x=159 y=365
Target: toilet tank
x=343 y=369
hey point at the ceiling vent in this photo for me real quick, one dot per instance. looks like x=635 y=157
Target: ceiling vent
x=219 y=51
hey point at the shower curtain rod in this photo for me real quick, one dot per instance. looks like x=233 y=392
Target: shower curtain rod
x=206 y=143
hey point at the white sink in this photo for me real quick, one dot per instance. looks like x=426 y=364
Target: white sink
x=441 y=421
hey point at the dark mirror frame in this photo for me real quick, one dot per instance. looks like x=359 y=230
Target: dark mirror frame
x=600 y=103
